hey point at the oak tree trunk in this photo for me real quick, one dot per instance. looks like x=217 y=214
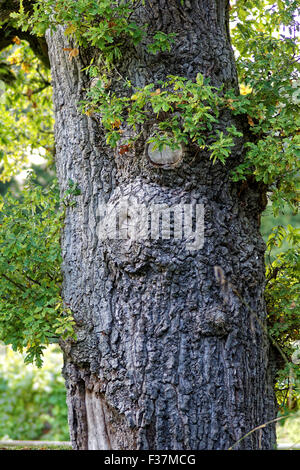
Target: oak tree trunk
x=171 y=351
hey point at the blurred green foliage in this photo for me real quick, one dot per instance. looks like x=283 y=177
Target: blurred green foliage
x=285 y=218
x=32 y=314
x=26 y=117
x=289 y=431
x=282 y=295
x=32 y=400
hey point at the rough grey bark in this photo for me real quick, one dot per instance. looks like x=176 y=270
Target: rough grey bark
x=166 y=357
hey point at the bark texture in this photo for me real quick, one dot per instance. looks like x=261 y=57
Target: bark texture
x=166 y=357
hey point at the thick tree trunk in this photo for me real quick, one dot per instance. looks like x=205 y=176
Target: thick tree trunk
x=168 y=356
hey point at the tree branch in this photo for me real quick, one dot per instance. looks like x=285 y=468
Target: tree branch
x=19 y=286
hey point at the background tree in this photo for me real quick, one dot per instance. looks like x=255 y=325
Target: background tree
x=172 y=350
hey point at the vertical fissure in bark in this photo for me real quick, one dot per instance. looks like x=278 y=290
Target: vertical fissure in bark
x=77 y=416
x=97 y=431
x=165 y=357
